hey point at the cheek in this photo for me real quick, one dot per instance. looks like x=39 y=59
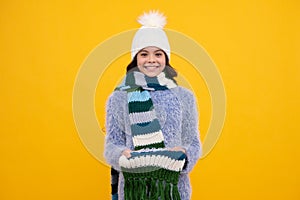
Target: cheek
x=163 y=62
x=140 y=61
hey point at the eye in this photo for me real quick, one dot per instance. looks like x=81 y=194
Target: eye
x=158 y=54
x=143 y=54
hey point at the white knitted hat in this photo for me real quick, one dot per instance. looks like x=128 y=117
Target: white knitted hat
x=151 y=33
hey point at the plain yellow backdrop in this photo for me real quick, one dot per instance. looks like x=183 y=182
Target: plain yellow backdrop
x=255 y=45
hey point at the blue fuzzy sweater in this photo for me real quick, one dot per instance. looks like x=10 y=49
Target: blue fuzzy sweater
x=177 y=113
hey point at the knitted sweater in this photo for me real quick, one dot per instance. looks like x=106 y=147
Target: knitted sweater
x=177 y=113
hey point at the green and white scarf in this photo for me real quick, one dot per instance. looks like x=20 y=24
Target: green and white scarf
x=152 y=171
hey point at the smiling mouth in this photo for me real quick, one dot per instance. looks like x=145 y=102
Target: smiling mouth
x=151 y=67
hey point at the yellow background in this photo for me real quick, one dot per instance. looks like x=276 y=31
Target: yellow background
x=255 y=45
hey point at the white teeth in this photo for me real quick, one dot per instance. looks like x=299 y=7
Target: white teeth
x=151 y=66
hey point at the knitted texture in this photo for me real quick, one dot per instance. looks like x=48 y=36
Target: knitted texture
x=151 y=33
x=176 y=111
x=152 y=171
x=114 y=183
x=145 y=127
x=151 y=174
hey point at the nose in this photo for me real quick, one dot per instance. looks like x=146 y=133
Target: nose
x=151 y=58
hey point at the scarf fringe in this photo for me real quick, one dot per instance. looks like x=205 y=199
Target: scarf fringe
x=160 y=184
x=150 y=189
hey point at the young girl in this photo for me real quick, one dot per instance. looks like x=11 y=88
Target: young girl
x=152 y=123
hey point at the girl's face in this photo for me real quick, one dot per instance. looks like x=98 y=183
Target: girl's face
x=151 y=61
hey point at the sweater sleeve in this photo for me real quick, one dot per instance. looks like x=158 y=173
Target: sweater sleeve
x=190 y=131
x=115 y=139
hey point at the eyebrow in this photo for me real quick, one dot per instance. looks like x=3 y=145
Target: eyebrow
x=154 y=51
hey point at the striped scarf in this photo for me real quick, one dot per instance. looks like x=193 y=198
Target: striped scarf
x=152 y=171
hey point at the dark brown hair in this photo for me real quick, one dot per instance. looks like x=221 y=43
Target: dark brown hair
x=169 y=70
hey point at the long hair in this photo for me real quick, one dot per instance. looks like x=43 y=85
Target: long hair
x=169 y=70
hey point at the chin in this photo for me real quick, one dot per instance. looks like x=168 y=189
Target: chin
x=151 y=74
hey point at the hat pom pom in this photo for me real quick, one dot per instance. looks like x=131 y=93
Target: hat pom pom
x=152 y=19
